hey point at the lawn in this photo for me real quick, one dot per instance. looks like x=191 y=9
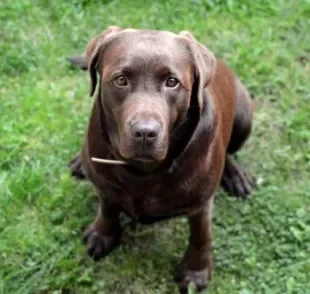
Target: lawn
x=260 y=246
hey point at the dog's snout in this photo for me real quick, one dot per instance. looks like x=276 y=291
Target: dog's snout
x=147 y=130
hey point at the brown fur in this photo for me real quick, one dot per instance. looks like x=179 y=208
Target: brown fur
x=201 y=123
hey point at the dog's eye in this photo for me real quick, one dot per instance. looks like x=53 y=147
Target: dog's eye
x=121 y=81
x=172 y=82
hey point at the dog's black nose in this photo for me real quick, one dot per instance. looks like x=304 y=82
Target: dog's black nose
x=147 y=130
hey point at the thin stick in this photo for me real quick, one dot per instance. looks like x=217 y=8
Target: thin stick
x=108 y=161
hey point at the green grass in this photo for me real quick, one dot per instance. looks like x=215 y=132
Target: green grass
x=260 y=246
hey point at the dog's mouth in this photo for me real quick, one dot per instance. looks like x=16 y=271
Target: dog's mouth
x=146 y=164
x=144 y=160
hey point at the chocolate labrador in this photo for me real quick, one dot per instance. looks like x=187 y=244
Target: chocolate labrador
x=174 y=115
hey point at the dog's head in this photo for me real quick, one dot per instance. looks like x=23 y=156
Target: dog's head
x=149 y=80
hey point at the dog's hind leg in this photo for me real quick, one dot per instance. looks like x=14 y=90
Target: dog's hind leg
x=75 y=164
x=234 y=179
x=76 y=168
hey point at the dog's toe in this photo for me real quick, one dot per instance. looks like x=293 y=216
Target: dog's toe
x=242 y=184
x=235 y=181
x=98 y=244
x=239 y=185
x=184 y=277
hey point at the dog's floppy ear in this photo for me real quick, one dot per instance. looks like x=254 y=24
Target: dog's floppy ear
x=94 y=48
x=204 y=61
x=204 y=64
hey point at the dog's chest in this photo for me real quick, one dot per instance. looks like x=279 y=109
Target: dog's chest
x=160 y=199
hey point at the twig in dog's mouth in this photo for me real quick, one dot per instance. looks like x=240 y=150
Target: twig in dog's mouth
x=108 y=161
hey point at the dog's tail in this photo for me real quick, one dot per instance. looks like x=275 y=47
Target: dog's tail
x=78 y=61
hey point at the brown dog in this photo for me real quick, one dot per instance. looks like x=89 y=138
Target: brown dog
x=175 y=114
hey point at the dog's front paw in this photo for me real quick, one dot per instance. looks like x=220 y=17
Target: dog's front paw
x=98 y=244
x=185 y=276
x=236 y=181
x=76 y=168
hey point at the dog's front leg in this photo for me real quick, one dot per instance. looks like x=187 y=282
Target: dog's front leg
x=103 y=234
x=196 y=265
